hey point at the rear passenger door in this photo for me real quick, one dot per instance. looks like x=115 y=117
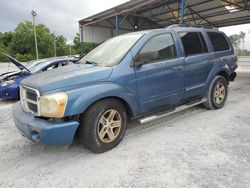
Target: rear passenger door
x=197 y=63
x=160 y=77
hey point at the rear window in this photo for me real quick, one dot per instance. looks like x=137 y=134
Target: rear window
x=193 y=43
x=219 y=41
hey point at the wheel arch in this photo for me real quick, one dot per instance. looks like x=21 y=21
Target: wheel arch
x=126 y=105
x=224 y=74
x=81 y=99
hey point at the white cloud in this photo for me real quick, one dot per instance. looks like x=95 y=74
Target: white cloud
x=60 y=16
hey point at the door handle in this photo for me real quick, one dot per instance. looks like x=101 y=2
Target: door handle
x=178 y=67
x=210 y=62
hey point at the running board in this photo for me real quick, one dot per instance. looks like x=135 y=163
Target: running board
x=177 y=109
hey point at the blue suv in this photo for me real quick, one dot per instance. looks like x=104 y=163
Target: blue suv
x=142 y=75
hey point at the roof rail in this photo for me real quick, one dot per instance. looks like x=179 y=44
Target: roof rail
x=178 y=25
x=185 y=25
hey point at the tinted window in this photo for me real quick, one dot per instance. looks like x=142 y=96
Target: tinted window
x=204 y=45
x=219 y=41
x=160 y=47
x=193 y=43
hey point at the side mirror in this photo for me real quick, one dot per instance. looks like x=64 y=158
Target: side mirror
x=146 y=57
x=138 y=64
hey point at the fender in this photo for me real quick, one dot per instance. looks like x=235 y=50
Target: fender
x=80 y=99
x=214 y=71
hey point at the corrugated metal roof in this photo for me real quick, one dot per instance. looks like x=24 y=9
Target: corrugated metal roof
x=137 y=15
x=165 y=12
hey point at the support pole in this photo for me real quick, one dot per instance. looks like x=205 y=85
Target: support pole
x=116 y=25
x=81 y=41
x=182 y=12
x=54 y=38
x=34 y=14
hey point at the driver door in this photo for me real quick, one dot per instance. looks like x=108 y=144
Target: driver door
x=159 y=73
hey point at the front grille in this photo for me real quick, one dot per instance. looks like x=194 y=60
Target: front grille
x=29 y=99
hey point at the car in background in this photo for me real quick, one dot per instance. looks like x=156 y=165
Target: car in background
x=9 y=81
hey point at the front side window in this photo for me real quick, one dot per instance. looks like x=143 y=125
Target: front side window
x=219 y=41
x=193 y=43
x=158 y=48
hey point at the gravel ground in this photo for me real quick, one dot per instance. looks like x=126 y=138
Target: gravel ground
x=194 y=148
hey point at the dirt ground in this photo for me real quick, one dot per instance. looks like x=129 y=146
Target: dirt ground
x=194 y=148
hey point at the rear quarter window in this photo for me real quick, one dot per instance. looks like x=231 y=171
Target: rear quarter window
x=219 y=41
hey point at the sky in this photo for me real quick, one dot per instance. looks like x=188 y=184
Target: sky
x=62 y=16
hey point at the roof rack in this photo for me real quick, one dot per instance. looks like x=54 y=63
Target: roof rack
x=185 y=25
x=178 y=25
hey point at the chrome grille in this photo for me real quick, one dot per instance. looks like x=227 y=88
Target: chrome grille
x=30 y=100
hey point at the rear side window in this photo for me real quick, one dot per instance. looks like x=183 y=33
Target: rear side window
x=219 y=41
x=158 y=48
x=193 y=43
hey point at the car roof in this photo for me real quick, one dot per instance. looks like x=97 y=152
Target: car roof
x=48 y=61
x=177 y=28
x=54 y=59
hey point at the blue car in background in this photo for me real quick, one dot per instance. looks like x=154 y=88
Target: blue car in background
x=9 y=81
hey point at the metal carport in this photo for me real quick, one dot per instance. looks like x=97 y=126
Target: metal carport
x=137 y=15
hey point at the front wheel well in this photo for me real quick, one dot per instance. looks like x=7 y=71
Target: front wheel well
x=128 y=108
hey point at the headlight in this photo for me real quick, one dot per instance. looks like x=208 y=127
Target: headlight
x=8 y=83
x=53 y=105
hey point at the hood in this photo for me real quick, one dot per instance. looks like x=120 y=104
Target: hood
x=67 y=77
x=17 y=63
x=8 y=76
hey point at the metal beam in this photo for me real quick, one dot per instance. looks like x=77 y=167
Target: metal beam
x=182 y=12
x=82 y=49
x=169 y=11
x=172 y=13
x=202 y=17
x=211 y=15
x=116 y=25
x=114 y=13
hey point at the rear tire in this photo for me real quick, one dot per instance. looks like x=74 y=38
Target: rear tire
x=103 y=125
x=217 y=93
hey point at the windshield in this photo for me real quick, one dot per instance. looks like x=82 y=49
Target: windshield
x=36 y=65
x=112 y=51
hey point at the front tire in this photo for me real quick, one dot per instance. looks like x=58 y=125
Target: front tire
x=103 y=125
x=217 y=93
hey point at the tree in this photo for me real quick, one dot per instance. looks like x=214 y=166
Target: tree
x=87 y=47
x=77 y=44
x=61 y=46
x=235 y=40
x=23 y=42
x=242 y=36
x=5 y=40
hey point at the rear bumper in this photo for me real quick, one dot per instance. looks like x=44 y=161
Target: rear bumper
x=43 y=131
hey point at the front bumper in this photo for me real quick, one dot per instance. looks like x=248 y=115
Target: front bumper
x=43 y=131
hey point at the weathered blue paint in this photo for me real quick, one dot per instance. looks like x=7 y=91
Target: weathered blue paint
x=143 y=89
